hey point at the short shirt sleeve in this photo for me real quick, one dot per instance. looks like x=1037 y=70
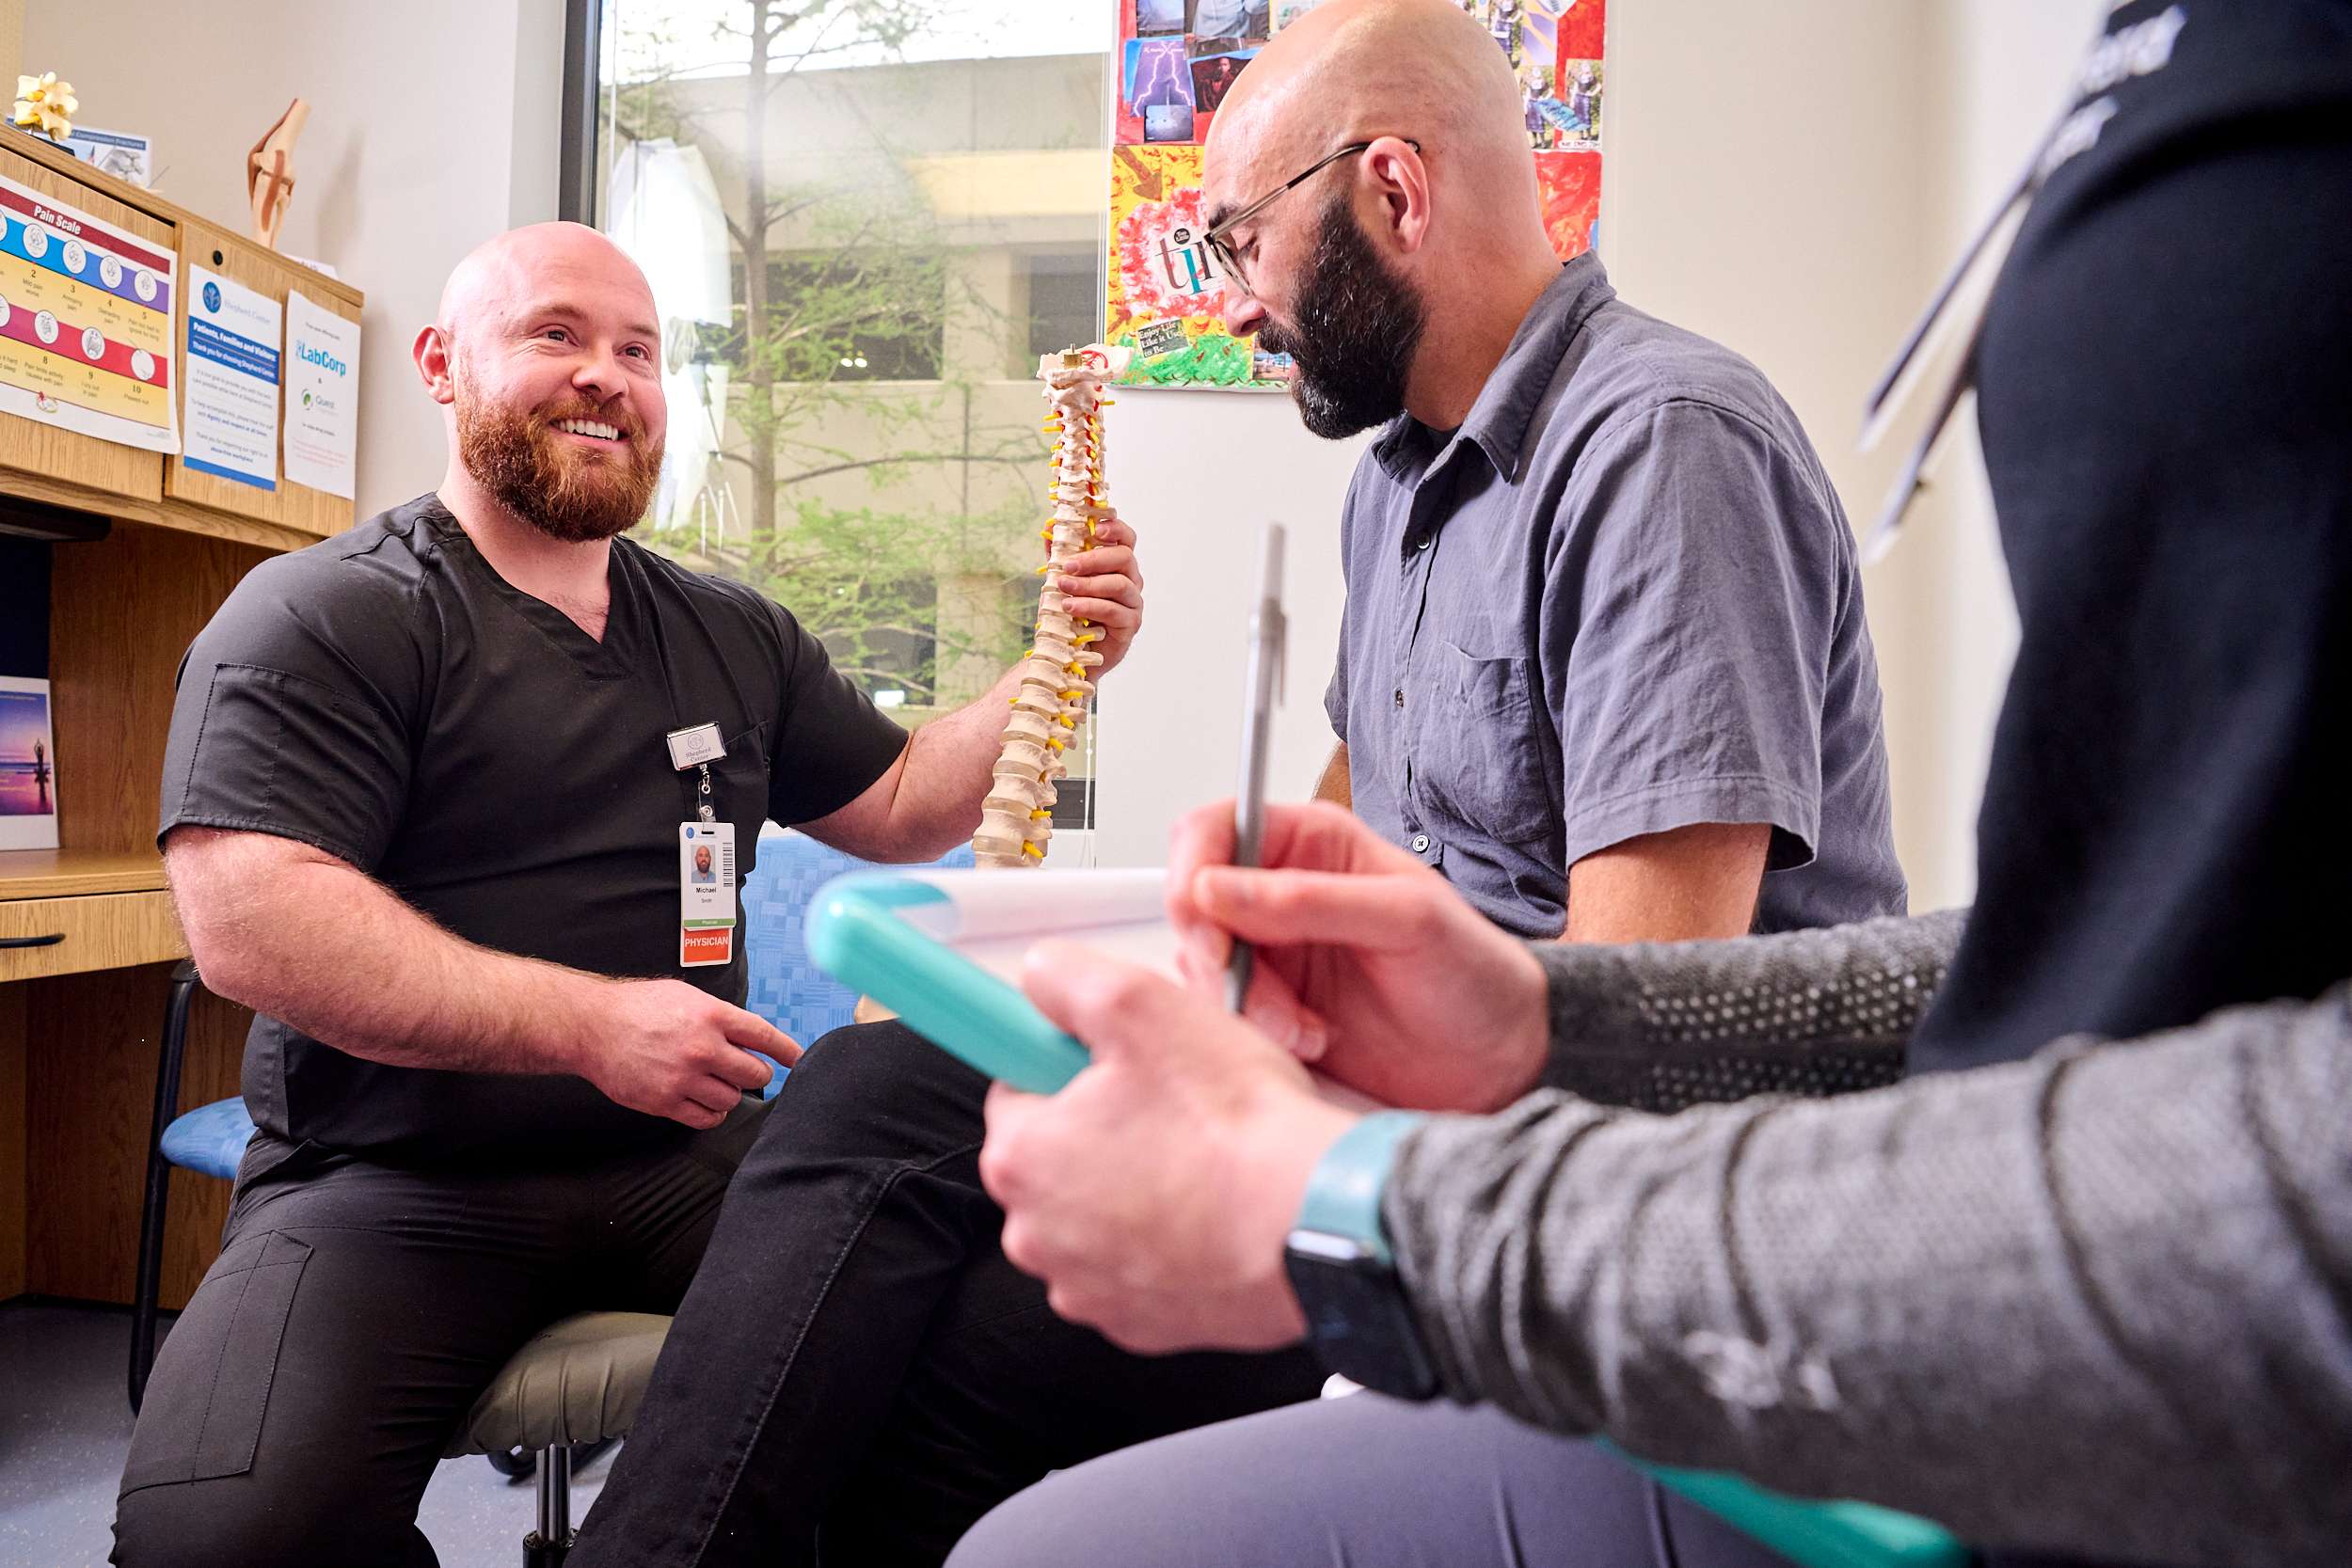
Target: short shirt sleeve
x=293 y=710
x=1688 y=621
x=832 y=742
x=1335 y=694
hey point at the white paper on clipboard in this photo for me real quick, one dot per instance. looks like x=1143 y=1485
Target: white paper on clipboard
x=994 y=917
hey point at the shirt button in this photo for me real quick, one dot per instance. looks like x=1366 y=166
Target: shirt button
x=1421 y=843
x=1422 y=543
x=1400 y=696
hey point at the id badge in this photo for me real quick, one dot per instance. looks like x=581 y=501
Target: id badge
x=705 y=882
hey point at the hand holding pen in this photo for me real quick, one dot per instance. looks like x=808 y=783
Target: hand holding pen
x=1365 y=964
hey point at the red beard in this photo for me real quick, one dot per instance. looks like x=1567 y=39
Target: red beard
x=566 y=490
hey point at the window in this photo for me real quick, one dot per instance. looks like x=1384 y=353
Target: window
x=1065 y=301
x=874 y=315
x=853 y=422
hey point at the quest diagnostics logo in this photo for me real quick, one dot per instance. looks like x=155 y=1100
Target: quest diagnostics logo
x=211 y=298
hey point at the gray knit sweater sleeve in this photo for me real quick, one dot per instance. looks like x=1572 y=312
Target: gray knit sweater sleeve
x=2095 y=1301
x=1818 y=1012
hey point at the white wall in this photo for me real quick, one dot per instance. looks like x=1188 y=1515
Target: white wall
x=1997 y=76
x=1197 y=473
x=433 y=127
x=1791 y=180
x=1788 y=179
x=12 y=42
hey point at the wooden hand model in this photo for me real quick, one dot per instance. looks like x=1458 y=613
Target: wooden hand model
x=1016 y=819
x=269 y=179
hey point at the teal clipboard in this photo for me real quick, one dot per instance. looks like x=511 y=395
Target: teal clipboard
x=858 y=932
x=1813 y=1534
x=863 y=929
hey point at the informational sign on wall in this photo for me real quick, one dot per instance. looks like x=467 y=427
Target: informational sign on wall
x=233 y=334
x=85 y=324
x=322 y=396
x=1177 y=60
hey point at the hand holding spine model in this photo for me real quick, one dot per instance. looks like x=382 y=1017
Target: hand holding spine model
x=1016 y=819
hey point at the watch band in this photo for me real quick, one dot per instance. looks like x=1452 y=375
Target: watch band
x=1344 y=1192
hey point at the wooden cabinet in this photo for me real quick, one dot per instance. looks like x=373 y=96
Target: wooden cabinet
x=81 y=1016
x=67 y=936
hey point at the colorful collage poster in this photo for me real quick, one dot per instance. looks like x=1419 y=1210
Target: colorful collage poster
x=1178 y=58
x=86 y=333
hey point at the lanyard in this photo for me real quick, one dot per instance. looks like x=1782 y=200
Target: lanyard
x=700 y=797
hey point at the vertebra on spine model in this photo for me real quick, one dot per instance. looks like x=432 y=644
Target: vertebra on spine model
x=1016 y=819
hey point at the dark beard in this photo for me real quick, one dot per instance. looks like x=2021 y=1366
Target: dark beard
x=1358 y=325
x=576 y=495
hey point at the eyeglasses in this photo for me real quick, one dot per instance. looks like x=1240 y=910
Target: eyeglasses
x=1214 y=236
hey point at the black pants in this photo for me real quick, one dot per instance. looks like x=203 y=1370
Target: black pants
x=353 y=1316
x=857 y=1374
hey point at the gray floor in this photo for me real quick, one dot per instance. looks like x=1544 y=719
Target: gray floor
x=65 y=1425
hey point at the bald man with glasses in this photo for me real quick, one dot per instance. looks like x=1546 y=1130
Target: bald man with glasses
x=1604 y=663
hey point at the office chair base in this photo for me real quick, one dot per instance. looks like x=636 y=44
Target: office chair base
x=537 y=1553
x=522 y=1464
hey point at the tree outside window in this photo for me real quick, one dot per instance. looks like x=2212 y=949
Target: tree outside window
x=861 y=219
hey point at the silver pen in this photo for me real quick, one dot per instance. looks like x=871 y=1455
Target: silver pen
x=1268 y=635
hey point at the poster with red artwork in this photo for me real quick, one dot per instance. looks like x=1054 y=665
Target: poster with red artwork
x=1175 y=62
x=1569 y=184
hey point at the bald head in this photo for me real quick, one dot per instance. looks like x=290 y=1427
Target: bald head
x=1353 y=69
x=1393 y=276
x=501 y=274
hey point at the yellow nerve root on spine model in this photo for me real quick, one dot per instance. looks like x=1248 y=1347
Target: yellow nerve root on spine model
x=1016 y=819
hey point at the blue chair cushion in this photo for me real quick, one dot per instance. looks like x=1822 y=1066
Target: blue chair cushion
x=211 y=1138
x=787 y=988
x=777 y=1073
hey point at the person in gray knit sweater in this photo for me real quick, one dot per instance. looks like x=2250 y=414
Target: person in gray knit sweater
x=2091 y=1302
x=2071 y=1270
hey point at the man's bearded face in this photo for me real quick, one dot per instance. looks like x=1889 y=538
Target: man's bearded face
x=1355 y=323
x=573 y=470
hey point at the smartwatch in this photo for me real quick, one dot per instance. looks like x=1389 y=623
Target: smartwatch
x=1342 y=1271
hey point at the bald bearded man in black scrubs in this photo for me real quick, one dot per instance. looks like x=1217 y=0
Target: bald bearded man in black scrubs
x=431 y=786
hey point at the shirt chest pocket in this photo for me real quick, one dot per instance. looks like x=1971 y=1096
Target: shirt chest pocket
x=1477 y=747
x=741 y=780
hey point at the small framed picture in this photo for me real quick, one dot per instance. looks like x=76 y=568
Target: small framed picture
x=28 y=767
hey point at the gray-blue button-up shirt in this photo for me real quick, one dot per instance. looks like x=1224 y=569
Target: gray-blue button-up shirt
x=1621 y=599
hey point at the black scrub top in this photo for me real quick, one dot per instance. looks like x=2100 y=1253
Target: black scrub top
x=388 y=698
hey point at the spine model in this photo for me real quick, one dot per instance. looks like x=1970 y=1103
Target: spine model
x=1016 y=819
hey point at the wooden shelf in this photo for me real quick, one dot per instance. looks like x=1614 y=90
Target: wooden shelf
x=42 y=463
x=181 y=516
x=72 y=873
